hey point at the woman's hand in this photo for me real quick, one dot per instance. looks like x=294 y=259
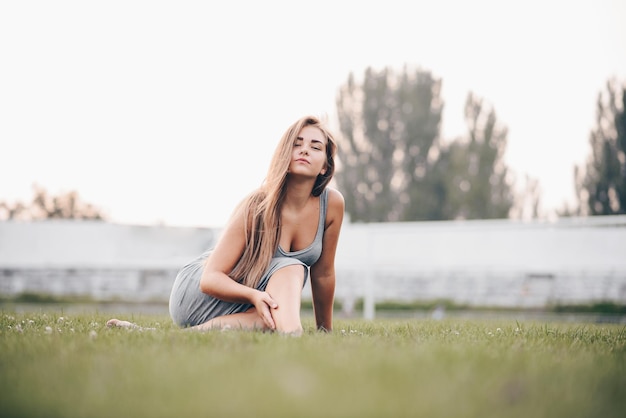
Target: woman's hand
x=264 y=303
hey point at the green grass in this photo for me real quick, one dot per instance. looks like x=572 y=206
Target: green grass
x=55 y=365
x=597 y=307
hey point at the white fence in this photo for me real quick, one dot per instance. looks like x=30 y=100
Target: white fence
x=98 y=260
x=487 y=263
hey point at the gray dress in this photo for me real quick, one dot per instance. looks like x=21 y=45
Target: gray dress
x=189 y=306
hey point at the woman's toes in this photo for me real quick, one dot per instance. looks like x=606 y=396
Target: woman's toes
x=118 y=323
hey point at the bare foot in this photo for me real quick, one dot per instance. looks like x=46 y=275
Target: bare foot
x=124 y=324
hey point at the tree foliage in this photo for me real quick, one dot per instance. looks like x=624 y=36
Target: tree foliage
x=528 y=200
x=393 y=164
x=390 y=125
x=472 y=168
x=601 y=185
x=45 y=206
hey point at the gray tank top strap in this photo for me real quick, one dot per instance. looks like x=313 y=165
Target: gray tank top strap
x=323 y=209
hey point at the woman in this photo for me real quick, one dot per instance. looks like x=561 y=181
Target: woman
x=281 y=234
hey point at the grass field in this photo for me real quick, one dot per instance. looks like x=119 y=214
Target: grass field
x=55 y=365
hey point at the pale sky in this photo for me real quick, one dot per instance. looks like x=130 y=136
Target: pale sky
x=169 y=111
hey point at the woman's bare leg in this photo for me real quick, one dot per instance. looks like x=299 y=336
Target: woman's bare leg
x=243 y=320
x=285 y=287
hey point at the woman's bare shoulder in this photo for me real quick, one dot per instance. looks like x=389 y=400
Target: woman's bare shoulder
x=335 y=197
x=336 y=203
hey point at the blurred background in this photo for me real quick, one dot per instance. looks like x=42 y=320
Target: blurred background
x=119 y=118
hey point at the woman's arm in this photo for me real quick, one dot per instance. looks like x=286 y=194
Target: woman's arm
x=323 y=271
x=215 y=280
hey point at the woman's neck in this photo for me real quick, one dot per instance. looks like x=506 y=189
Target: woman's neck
x=297 y=194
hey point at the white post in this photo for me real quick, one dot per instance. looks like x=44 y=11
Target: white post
x=369 y=303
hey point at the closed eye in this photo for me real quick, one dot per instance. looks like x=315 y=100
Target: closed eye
x=315 y=144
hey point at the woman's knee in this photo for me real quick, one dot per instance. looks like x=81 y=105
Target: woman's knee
x=287 y=282
x=295 y=272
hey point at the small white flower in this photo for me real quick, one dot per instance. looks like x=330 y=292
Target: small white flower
x=498 y=329
x=93 y=334
x=61 y=319
x=48 y=330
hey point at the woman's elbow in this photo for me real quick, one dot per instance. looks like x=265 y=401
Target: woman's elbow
x=326 y=281
x=206 y=283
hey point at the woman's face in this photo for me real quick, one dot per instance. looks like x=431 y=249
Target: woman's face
x=308 y=157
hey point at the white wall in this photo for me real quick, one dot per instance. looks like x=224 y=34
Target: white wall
x=498 y=262
x=579 y=243
x=92 y=244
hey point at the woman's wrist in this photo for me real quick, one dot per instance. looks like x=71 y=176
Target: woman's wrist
x=253 y=295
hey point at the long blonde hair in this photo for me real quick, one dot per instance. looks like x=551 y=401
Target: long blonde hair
x=261 y=208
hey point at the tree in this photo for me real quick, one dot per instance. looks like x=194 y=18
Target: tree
x=390 y=126
x=602 y=184
x=528 y=201
x=393 y=166
x=472 y=170
x=44 y=206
